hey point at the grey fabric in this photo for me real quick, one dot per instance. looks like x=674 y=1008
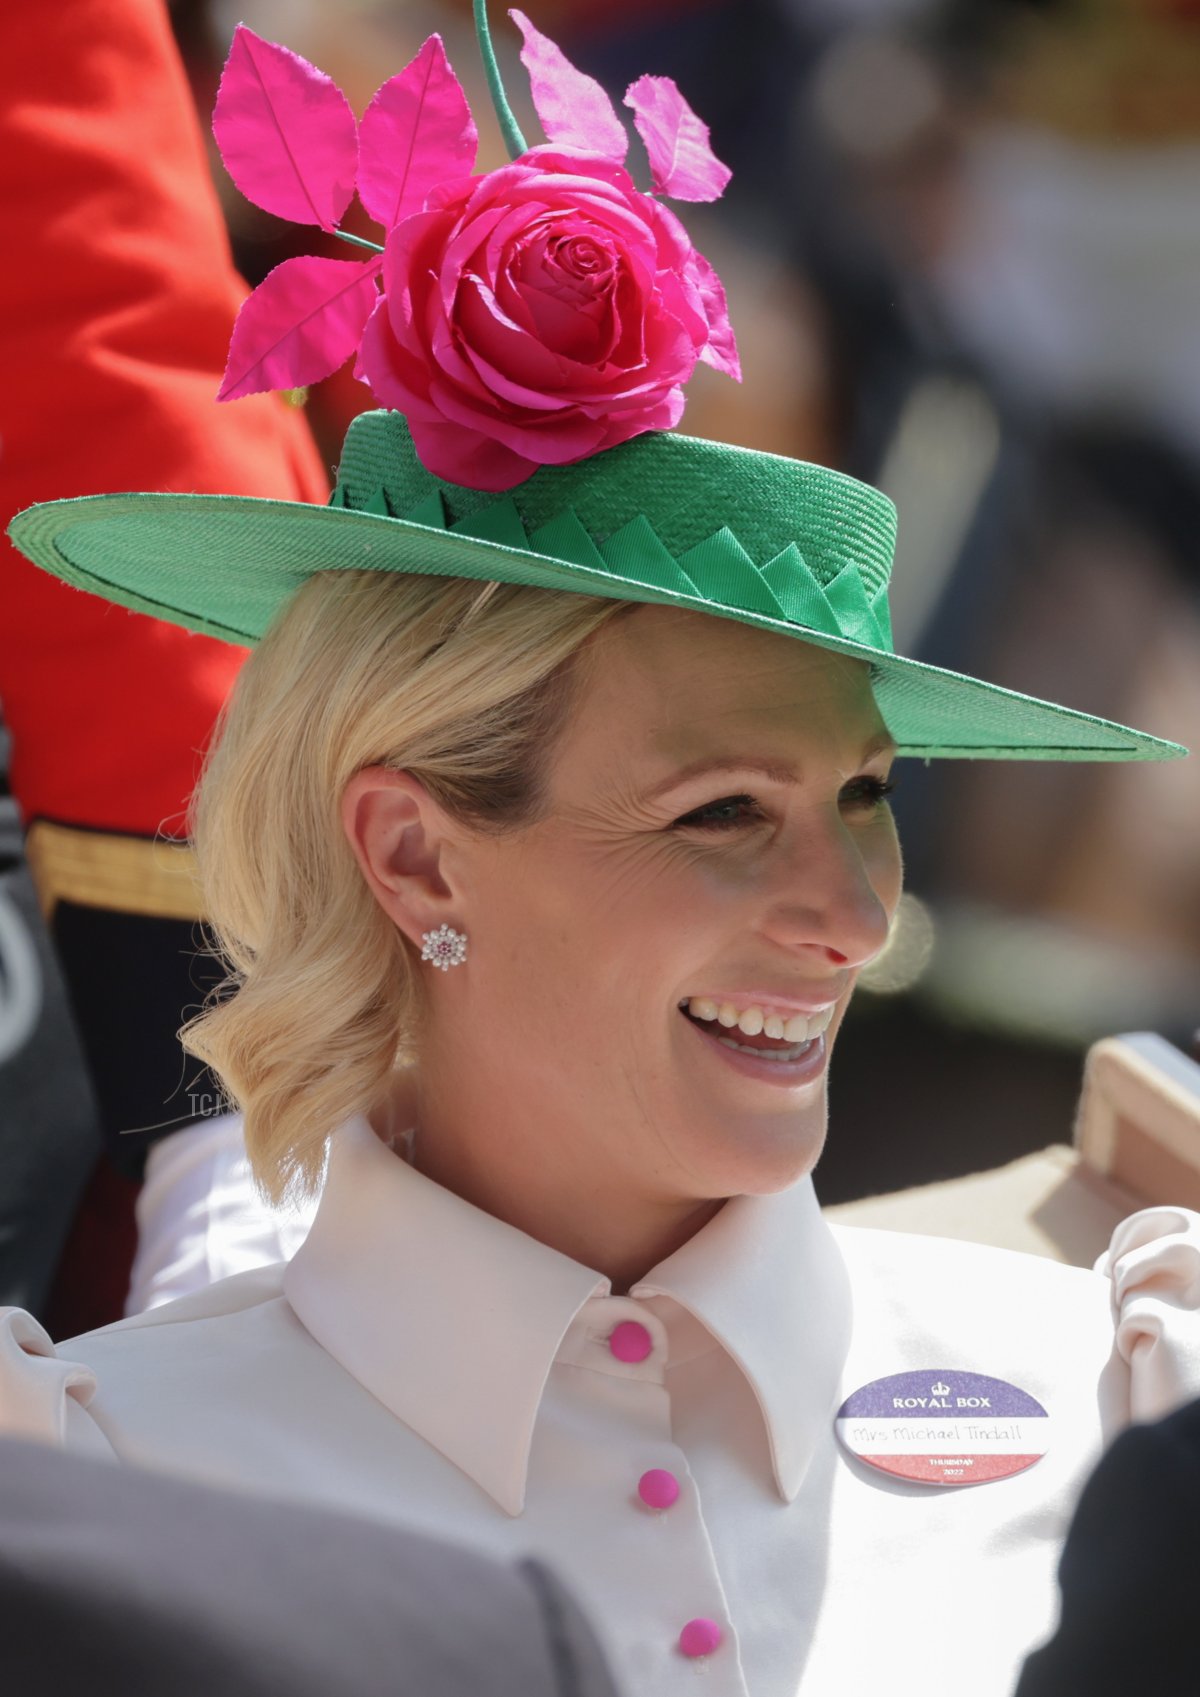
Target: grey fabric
x=49 y=1129
x=120 y=1583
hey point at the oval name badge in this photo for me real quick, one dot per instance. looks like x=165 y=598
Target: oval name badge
x=939 y=1426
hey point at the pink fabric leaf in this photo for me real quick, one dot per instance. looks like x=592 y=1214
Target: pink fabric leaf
x=573 y=109
x=722 y=351
x=682 y=164
x=304 y=319
x=285 y=131
x=416 y=133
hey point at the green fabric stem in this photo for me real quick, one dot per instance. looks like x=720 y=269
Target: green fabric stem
x=514 y=141
x=357 y=241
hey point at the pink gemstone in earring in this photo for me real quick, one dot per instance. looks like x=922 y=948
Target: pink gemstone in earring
x=445 y=947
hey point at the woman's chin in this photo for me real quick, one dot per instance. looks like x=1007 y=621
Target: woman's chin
x=758 y=1156
x=764 y=1119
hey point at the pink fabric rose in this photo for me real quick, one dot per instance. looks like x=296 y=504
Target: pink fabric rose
x=532 y=316
x=536 y=315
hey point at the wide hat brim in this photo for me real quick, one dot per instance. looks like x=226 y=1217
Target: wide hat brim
x=225 y=565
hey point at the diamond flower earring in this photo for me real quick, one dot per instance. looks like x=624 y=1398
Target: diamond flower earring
x=445 y=947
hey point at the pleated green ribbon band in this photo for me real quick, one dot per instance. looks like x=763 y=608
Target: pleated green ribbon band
x=739 y=530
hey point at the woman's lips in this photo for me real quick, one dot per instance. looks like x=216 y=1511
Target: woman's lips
x=808 y=1066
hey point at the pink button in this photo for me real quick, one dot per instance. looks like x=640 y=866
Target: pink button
x=658 y=1488
x=700 y=1638
x=630 y=1341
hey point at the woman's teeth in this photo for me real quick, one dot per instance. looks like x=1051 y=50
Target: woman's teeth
x=799 y=1028
x=793 y=1051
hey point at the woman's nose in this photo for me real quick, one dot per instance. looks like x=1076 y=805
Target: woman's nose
x=833 y=901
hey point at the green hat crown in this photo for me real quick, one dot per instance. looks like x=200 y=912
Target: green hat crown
x=678 y=515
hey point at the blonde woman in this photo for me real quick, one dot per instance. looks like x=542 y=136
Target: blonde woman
x=546 y=836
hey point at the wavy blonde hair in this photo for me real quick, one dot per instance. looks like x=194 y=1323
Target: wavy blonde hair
x=467 y=689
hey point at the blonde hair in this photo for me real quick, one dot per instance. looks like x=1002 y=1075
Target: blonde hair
x=324 y=997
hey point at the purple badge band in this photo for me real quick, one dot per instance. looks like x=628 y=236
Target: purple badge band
x=939 y=1390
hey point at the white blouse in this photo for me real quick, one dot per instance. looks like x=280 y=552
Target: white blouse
x=421 y=1362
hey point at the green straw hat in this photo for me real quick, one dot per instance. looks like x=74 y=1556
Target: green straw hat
x=664 y=519
x=463 y=474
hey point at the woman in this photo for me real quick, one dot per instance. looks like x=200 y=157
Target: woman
x=583 y=866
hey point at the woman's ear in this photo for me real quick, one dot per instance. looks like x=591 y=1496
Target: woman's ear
x=396 y=831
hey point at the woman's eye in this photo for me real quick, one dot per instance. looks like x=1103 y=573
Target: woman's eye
x=734 y=810
x=723 y=814
x=868 y=792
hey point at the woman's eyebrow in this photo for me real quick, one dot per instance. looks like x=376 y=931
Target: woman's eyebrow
x=779 y=772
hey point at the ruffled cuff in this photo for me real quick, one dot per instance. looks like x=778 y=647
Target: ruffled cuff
x=1153 y=1262
x=42 y=1397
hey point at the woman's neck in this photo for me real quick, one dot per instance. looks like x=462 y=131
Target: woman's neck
x=597 y=1220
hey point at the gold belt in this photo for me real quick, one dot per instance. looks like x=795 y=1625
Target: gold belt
x=106 y=869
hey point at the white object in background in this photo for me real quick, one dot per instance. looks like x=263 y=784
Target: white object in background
x=200 y=1217
x=1139 y=1118
x=1074 y=274
x=20 y=980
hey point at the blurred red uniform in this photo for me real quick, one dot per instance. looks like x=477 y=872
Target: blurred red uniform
x=116 y=304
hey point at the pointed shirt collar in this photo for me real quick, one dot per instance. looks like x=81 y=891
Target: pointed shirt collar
x=441 y=1310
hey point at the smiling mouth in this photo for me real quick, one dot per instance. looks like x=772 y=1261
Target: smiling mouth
x=757 y=1043
x=787 y=1066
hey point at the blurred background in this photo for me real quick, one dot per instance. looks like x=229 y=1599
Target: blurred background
x=962 y=252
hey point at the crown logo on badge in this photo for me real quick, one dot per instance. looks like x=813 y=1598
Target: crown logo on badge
x=939 y=1389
